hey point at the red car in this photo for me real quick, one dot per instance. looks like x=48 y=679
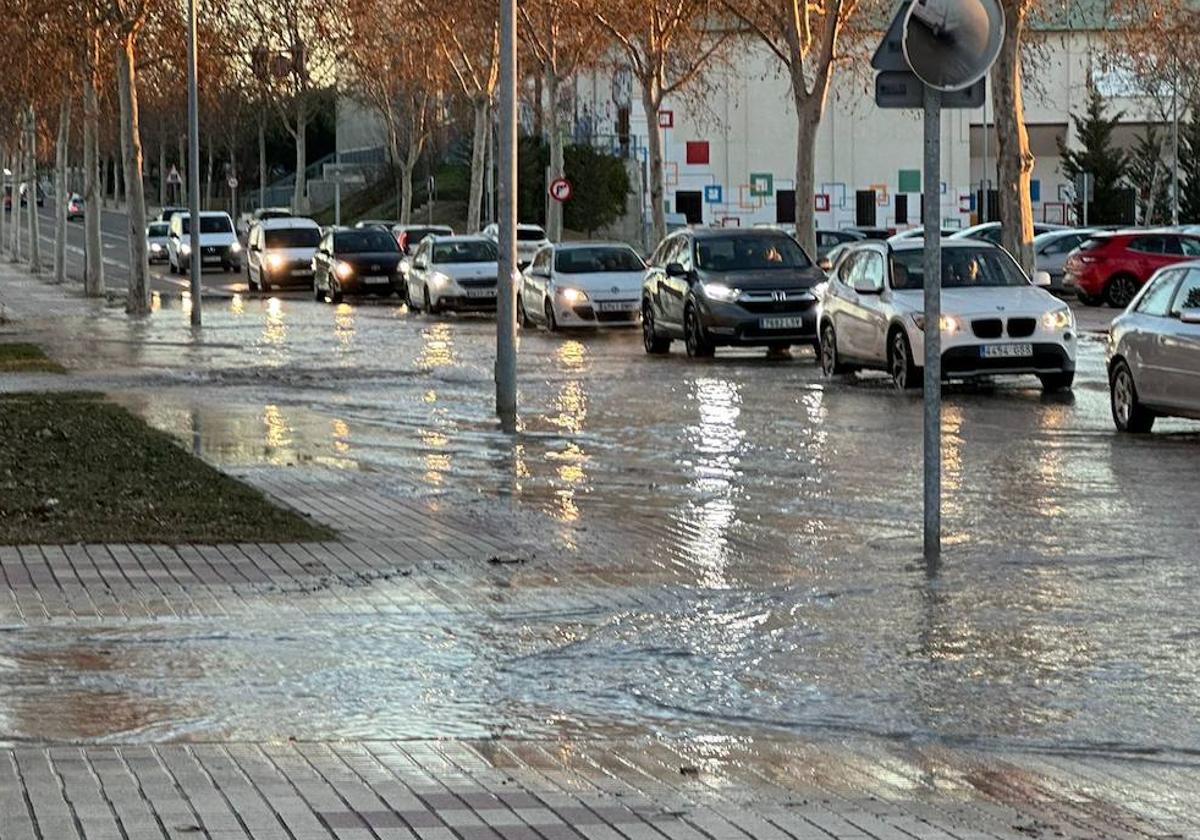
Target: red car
x=1111 y=267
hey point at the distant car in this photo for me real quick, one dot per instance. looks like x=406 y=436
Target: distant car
x=280 y=251
x=919 y=234
x=530 y=239
x=827 y=240
x=1111 y=267
x=166 y=213
x=869 y=232
x=996 y=321
x=39 y=194
x=356 y=262
x=219 y=245
x=248 y=220
x=715 y=287
x=453 y=273
x=74 y=209
x=382 y=224
x=1154 y=352
x=408 y=237
x=581 y=284
x=993 y=231
x=1051 y=250
x=158 y=236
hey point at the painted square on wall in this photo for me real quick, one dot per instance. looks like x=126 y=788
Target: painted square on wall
x=909 y=181
x=697 y=152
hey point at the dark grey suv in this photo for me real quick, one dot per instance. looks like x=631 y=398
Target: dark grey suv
x=722 y=287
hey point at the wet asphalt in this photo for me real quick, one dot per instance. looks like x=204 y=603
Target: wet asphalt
x=735 y=546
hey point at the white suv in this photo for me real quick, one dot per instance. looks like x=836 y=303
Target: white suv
x=219 y=245
x=994 y=321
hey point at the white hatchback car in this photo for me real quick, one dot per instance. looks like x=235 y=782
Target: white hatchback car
x=530 y=239
x=582 y=284
x=994 y=322
x=453 y=272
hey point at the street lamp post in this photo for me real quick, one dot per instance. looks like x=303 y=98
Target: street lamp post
x=506 y=300
x=196 y=260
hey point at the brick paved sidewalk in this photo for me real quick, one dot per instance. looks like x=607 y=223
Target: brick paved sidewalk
x=738 y=786
x=559 y=790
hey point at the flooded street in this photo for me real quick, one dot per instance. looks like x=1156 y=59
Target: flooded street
x=697 y=547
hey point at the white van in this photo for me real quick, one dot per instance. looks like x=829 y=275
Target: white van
x=280 y=252
x=219 y=244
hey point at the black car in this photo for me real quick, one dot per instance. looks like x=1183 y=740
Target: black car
x=356 y=262
x=718 y=287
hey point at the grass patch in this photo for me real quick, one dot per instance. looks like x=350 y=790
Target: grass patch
x=75 y=468
x=26 y=358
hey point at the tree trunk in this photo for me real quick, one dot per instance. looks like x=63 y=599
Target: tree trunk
x=62 y=190
x=300 y=194
x=17 y=178
x=138 y=300
x=208 y=181
x=806 y=157
x=35 y=238
x=94 y=268
x=162 y=171
x=651 y=99
x=478 y=162
x=262 y=161
x=119 y=188
x=554 y=209
x=416 y=143
x=5 y=163
x=1013 y=155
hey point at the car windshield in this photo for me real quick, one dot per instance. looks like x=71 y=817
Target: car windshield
x=363 y=241
x=159 y=229
x=749 y=253
x=298 y=237
x=962 y=268
x=273 y=214
x=210 y=224
x=472 y=251
x=589 y=260
x=530 y=234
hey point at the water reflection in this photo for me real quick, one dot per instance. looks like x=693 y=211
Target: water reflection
x=343 y=326
x=341 y=434
x=437 y=460
x=274 y=329
x=278 y=432
x=437 y=347
x=237 y=305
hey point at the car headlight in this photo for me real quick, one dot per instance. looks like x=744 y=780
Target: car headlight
x=343 y=269
x=155 y=248
x=235 y=248
x=950 y=324
x=1059 y=319
x=185 y=249
x=572 y=296
x=274 y=262
x=721 y=292
x=439 y=280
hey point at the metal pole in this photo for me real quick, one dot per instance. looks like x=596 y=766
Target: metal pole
x=983 y=186
x=1174 y=143
x=337 y=179
x=195 y=260
x=506 y=324
x=933 y=324
x=1086 y=198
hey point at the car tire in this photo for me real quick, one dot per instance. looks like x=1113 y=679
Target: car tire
x=413 y=306
x=1120 y=290
x=1128 y=413
x=698 y=344
x=655 y=344
x=551 y=321
x=522 y=315
x=1089 y=300
x=427 y=305
x=827 y=353
x=903 y=370
x=1053 y=382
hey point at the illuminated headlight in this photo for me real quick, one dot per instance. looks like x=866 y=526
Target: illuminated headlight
x=721 y=292
x=235 y=248
x=572 y=296
x=274 y=262
x=950 y=324
x=155 y=248
x=185 y=249
x=1059 y=319
x=439 y=280
x=343 y=270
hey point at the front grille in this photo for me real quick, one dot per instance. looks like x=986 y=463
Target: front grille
x=583 y=311
x=477 y=282
x=617 y=317
x=987 y=327
x=1021 y=327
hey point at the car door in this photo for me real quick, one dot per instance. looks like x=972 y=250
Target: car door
x=1149 y=255
x=1143 y=342
x=866 y=323
x=839 y=297
x=537 y=280
x=419 y=272
x=1179 y=346
x=675 y=288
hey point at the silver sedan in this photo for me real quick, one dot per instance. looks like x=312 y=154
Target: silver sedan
x=1154 y=351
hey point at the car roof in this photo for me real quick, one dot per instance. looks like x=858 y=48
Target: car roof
x=283 y=222
x=739 y=233
x=204 y=214
x=917 y=243
x=461 y=237
x=419 y=226
x=575 y=246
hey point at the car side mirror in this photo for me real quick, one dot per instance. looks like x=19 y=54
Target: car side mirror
x=1041 y=279
x=676 y=270
x=864 y=288
x=1190 y=316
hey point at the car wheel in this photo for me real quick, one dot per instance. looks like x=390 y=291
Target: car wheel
x=428 y=304
x=698 y=344
x=551 y=321
x=900 y=363
x=831 y=363
x=1062 y=381
x=335 y=291
x=1127 y=410
x=1089 y=300
x=522 y=315
x=1120 y=291
x=413 y=306
x=654 y=343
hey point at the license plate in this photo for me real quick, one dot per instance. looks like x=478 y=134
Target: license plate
x=480 y=293
x=215 y=259
x=781 y=323
x=302 y=272
x=616 y=306
x=376 y=281
x=1005 y=351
